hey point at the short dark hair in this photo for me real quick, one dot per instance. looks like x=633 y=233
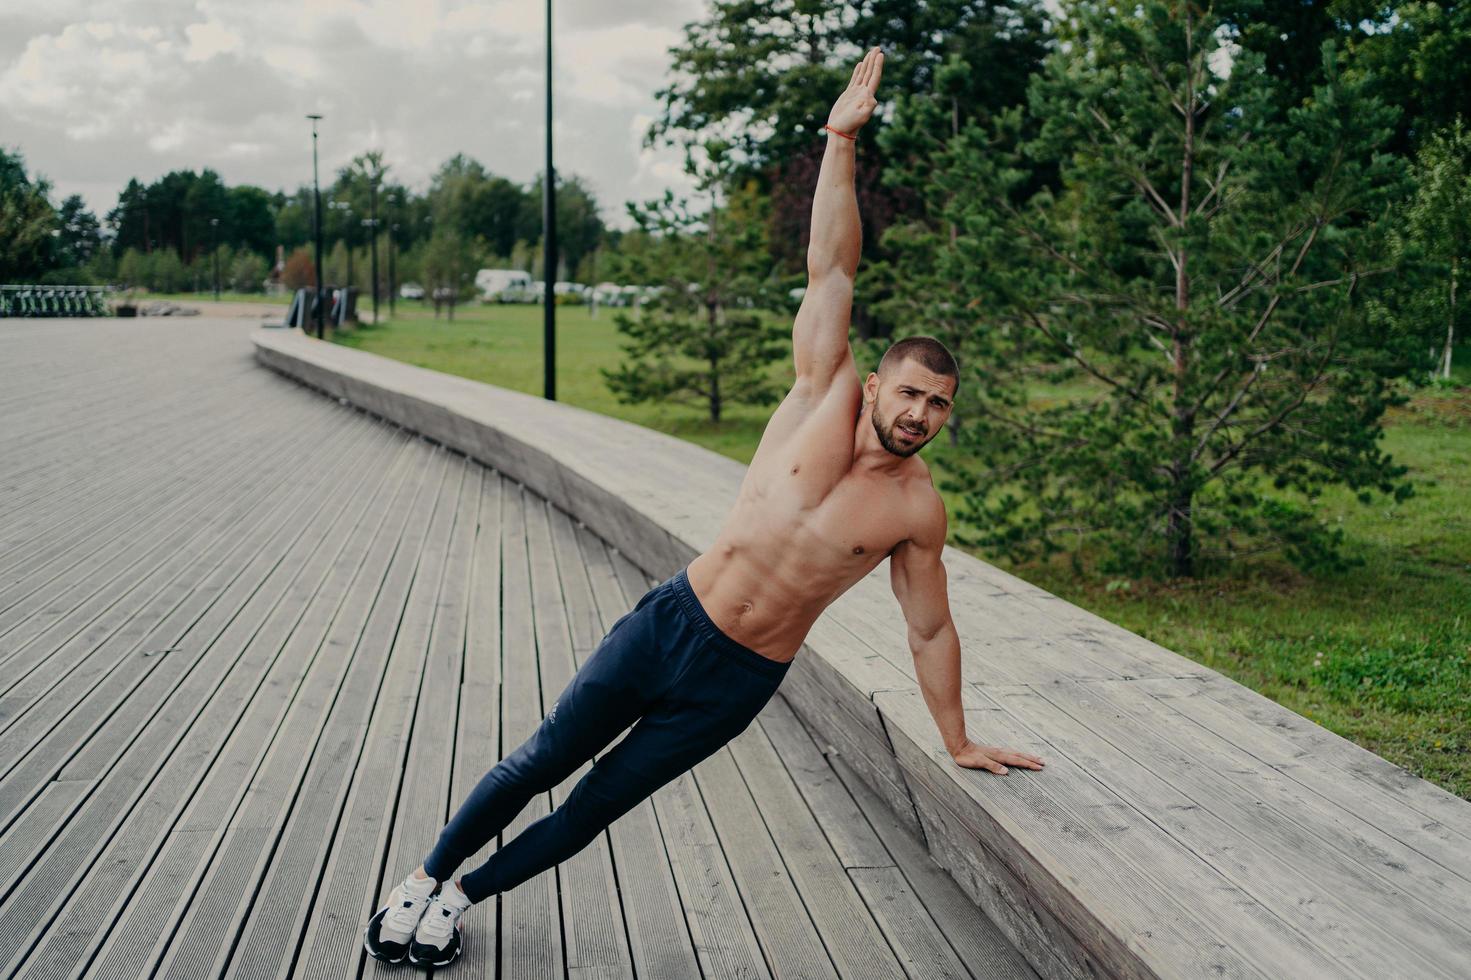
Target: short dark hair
x=928 y=351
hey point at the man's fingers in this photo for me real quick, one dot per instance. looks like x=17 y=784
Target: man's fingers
x=861 y=78
x=875 y=71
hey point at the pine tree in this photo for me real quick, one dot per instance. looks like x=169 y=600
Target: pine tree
x=1194 y=288
x=1438 y=231
x=701 y=339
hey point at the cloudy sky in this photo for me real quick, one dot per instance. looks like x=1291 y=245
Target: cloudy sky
x=94 y=92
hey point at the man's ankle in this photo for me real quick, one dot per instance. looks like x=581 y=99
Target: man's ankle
x=421 y=874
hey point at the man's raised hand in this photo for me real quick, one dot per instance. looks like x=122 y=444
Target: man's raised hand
x=857 y=102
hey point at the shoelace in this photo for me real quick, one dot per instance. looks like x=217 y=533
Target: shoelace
x=441 y=925
x=405 y=915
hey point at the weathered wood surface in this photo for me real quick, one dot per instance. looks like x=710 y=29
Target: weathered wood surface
x=255 y=646
x=1185 y=825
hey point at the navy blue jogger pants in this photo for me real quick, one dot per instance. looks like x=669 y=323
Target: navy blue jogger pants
x=666 y=668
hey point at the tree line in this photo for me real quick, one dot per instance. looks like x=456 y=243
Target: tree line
x=165 y=235
x=1188 y=254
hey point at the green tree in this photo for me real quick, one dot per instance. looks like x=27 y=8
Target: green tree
x=1196 y=281
x=579 y=224
x=757 y=75
x=448 y=265
x=1417 y=55
x=702 y=340
x=81 y=233
x=466 y=197
x=246 y=272
x=250 y=219
x=27 y=220
x=1434 y=243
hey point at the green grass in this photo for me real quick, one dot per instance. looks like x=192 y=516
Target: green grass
x=502 y=345
x=208 y=296
x=1380 y=654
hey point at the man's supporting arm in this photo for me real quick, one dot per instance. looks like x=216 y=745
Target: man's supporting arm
x=919 y=581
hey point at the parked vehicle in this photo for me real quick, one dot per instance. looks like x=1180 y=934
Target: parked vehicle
x=501 y=285
x=411 y=290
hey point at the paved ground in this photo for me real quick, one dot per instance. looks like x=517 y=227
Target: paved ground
x=256 y=645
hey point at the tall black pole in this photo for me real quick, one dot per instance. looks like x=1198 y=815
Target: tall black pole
x=214 y=246
x=317 y=195
x=347 y=235
x=392 y=272
x=373 y=208
x=549 y=242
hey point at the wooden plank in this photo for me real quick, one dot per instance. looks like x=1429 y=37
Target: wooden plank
x=933 y=927
x=1118 y=920
x=1180 y=846
x=1309 y=864
x=150 y=621
x=724 y=937
x=940 y=915
x=592 y=914
x=169 y=861
x=126 y=564
x=44 y=742
x=364 y=627
x=40 y=768
x=1373 y=772
x=1364 y=799
x=352 y=883
x=140 y=792
x=224 y=887
x=423 y=795
x=52 y=495
x=659 y=940
x=530 y=934
x=750 y=770
x=60 y=504
x=478 y=739
x=783 y=924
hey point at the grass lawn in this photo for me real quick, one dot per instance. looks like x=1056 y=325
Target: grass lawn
x=1380 y=654
x=208 y=296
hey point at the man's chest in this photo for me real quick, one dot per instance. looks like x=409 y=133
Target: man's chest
x=850 y=522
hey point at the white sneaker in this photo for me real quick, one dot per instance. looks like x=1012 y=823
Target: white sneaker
x=438 y=941
x=391 y=929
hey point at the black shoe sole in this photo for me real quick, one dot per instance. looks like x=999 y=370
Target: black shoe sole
x=436 y=964
x=367 y=946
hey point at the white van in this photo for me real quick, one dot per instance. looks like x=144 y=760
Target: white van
x=501 y=285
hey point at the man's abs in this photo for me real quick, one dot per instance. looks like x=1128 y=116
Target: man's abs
x=774 y=567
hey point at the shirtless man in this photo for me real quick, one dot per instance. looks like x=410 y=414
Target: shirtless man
x=835 y=487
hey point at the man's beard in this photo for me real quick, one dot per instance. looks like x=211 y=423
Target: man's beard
x=891 y=442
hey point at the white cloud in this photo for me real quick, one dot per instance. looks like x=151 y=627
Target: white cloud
x=207 y=40
x=99 y=91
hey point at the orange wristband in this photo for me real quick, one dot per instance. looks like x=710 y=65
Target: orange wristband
x=839 y=132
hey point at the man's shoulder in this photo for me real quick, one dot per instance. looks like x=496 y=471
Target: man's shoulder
x=928 y=522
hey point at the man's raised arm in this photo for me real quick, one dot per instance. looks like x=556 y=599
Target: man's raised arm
x=820 y=334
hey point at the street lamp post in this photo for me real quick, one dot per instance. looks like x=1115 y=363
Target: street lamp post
x=214 y=246
x=346 y=208
x=392 y=270
x=372 y=223
x=549 y=243
x=317 y=197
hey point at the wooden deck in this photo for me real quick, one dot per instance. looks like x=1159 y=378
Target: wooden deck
x=255 y=646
